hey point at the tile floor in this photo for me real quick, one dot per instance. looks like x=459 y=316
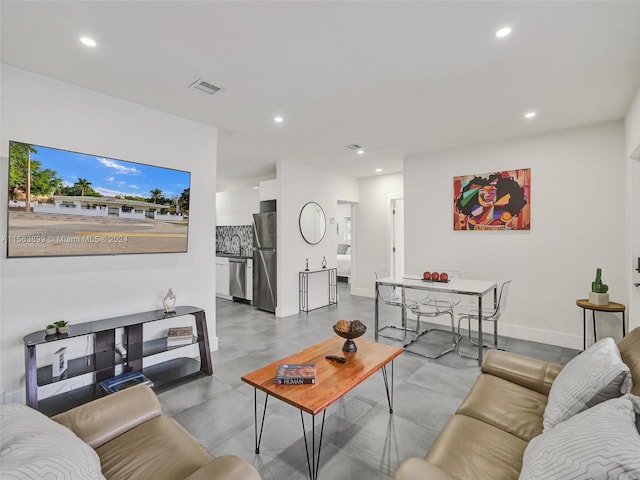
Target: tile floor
x=361 y=439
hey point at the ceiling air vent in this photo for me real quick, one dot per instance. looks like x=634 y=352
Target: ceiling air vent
x=205 y=87
x=354 y=146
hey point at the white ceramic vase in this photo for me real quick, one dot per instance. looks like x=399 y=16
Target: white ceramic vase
x=598 y=298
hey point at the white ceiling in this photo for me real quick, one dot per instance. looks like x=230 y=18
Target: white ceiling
x=400 y=78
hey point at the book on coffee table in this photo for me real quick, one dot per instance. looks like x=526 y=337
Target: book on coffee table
x=295 y=374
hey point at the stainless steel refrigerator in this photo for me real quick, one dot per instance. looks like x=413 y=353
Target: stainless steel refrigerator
x=264 y=261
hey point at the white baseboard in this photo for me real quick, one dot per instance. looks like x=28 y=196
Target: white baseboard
x=516 y=331
x=17 y=396
x=541 y=336
x=213 y=344
x=363 y=292
x=283 y=312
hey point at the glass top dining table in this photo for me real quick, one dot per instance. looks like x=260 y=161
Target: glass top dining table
x=461 y=286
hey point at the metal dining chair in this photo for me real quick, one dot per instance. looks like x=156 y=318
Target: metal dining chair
x=392 y=295
x=489 y=314
x=434 y=304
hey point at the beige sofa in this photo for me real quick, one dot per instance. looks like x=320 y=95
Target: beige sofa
x=488 y=435
x=134 y=440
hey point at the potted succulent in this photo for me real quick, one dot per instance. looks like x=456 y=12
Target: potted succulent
x=598 y=294
x=50 y=329
x=62 y=326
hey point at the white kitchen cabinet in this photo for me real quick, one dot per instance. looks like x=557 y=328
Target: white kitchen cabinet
x=250 y=279
x=222 y=277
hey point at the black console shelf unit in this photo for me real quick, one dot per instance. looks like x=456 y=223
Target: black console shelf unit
x=105 y=357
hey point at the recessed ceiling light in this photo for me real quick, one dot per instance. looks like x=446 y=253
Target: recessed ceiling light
x=529 y=114
x=503 y=32
x=360 y=152
x=278 y=119
x=378 y=170
x=89 y=42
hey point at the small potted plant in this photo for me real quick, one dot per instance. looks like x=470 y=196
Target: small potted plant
x=598 y=294
x=50 y=329
x=62 y=326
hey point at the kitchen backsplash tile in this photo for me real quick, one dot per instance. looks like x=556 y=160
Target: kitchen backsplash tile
x=226 y=242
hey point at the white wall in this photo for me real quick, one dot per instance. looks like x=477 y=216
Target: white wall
x=372 y=230
x=236 y=183
x=578 y=223
x=268 y=190
x=299 y=184
x=632 y=130
x=36 y=291
x=236 y=207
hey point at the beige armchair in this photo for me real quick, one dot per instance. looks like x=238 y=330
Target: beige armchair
x=135 y=440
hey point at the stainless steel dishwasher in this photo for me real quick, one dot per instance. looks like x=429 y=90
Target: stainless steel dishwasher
x=238 y=277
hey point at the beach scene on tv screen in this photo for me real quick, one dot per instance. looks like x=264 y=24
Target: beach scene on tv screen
x=67 y=203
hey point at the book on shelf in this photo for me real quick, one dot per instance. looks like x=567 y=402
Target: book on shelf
x=295 y=374
x=125 y=380
x=59 y=362
x=179 y=336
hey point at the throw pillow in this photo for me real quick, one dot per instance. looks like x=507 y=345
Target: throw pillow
x=601 y=443
x=595 y=375
x=33 y=446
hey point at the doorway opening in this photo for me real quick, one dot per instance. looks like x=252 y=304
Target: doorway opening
x=344 y=231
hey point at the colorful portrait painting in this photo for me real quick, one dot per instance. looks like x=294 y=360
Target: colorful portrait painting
x=493 y=201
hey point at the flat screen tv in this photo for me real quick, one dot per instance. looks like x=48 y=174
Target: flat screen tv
x=64 y=203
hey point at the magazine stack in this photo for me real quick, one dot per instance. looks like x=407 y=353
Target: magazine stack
x=177 y=336
x=125 y=380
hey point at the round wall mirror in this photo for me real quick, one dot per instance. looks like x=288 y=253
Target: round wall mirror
x=313 y=223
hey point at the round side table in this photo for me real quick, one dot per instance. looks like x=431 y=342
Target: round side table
x=611 y=307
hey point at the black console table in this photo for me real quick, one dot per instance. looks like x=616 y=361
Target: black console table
x=105 y=357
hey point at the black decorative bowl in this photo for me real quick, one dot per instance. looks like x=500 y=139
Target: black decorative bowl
x=349 y=345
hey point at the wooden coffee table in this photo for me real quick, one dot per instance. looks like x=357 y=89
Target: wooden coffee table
x=333 y=380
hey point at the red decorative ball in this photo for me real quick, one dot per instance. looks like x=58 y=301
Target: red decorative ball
x=435 y=276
